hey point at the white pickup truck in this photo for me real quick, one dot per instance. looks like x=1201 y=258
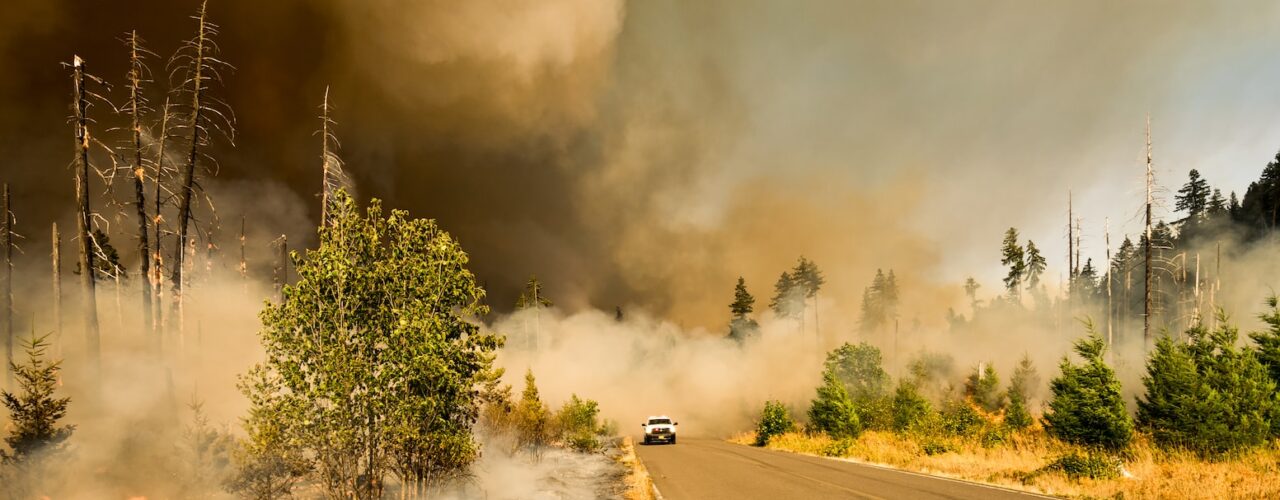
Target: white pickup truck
x=659 y=428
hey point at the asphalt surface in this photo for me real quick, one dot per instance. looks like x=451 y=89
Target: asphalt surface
x=709 y=469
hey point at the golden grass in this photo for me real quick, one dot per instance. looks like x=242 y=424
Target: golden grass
x=1148 y=472
x=639 y=486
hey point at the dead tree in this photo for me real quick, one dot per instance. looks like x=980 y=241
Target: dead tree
x=244 y=267
x=1146 y=307
x=333 y=176
x=57 y=289
x=281 y=275
x=135 y=107
x=198 y=59
x=157 y=278
x=6 y=280
x=1106 y=239
x=84 y=214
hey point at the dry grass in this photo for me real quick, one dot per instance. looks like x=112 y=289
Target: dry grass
x=639 y=486
x=1148 y=473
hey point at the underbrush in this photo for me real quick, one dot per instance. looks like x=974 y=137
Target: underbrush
x=1031 y=460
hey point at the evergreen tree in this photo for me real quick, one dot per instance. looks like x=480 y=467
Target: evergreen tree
x=1260 y=208
x=983 y=386
x=1021 y=388
x=879 y=302
x=858 y=368
x=1087 y=407
x=1268 y=341
x=1233 y=207
x=1217 y=204
x=807 y=277
x=1036 y=264
x=1013 y=257
x=34 y=416
x=1207 y=395
x=833 y=411
x=1193 y=197
x=532 y=417
x=971 y=287
x=787 y=297
x=741 y=326
x=909 y=407
x=532 y=295
x=775 y=420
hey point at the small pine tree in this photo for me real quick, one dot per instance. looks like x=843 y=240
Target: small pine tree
x=34 y=415
x=909 y=407
x=1022 y=387
x=532 y=417
x=741 y=326
x=1207 y=395
x=1268 y=341
x=1016 y=415
x=833 y=412
x=1087 y=407
x=983 y=386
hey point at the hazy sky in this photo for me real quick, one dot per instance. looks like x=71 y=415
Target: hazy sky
x=647 y=153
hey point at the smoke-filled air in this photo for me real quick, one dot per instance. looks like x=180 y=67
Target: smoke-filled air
x=825 y=249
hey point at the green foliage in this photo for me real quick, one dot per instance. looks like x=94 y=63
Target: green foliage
x=909 y=408
x=1012 y=255
x=1088 y=465
x=839 y=448
x=269 y=462
x=774 y=420
x=373 y=358
x=532 y=295
x=579 y=424
x=958 y=418
x=1016 y=415
x=1087 y=407
x=807 y=277
x=934 y=446
x=741 y=326
x=993 y=435
x=858 y=368
x=833 y=411
x=1036 y=264
x=34 y=434
x=983 y=386
x=788 y=298
x=1268 y=340
x=532 y=418
x=1207 y=395
x=1193 y=196
x=206 y=455
x=879 y=302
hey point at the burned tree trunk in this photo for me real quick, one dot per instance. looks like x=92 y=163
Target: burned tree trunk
x=83 y=221
x=139 y=179
x=157 y=278
x=57 y=289
x=1146 y=307
x=186 y=187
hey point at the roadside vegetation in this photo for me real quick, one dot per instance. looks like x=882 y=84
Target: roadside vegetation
x=1208 y=417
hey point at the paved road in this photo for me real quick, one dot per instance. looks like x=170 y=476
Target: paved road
x=708 y=469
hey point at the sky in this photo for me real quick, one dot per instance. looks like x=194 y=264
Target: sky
x=646 y=154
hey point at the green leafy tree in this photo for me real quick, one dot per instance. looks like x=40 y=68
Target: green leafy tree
x=579 y=424
x=774 y=420
x=1206 y=394
x=35 y=434
x=1012 y=256
x=741 y=326
x=983 y=386
x=833 y=412
x=859 y=368
x=376 y=353
x=270 y=462
x=1087 y=407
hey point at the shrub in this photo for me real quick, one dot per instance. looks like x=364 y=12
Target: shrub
x=579 y=425
x=774 y=420
x=531 y=417
x=1016 y=416
x=838 y=448
x=1207 y=395
x=1090 y=465
x=909 y=408
x=1087 y=407
x=960 y=419
x=983 y=386
x=833 y=411
x=933 y=447
x=993 y=435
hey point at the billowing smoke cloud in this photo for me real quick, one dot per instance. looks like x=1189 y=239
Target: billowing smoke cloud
x=644 y=154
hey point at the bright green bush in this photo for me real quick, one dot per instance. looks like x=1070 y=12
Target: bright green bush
x=960 y=419
x=1090 y=465
x=909 y=408
x=774 y=420
x=579 y=424
x=983 y=386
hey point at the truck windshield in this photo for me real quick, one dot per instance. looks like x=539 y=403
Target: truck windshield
x=653 y=421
